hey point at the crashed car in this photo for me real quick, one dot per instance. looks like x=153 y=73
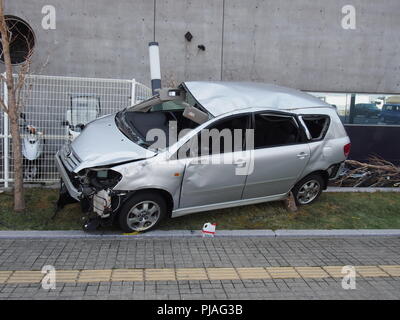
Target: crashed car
x=123 y=171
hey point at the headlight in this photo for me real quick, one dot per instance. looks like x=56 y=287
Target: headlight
x=103 y=174
x=103 y=178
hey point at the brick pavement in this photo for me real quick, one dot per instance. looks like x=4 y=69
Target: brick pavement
x=258 y=252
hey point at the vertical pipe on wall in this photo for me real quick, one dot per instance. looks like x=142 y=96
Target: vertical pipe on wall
x=155 y=70
x=6 y=133
x=154 y=19
x=222 y=40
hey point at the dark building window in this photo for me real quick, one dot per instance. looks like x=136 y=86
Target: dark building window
x=364 y=108
x=22 y=40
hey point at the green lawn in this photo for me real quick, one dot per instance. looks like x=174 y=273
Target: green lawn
x=332 y=211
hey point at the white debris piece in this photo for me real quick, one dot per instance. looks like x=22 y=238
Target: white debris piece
x=101 y=202
x=209 y=229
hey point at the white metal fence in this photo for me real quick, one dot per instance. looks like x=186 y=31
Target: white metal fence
x=47 y=103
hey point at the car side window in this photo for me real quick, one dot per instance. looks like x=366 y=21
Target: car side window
x=275 y=130
x=219 y=137
x=317 y=125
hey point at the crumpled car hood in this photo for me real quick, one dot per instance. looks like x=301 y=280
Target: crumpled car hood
x=102 y=143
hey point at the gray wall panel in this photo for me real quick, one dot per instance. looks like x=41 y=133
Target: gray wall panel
x=295 y=43
x=180 y=59
x=93 y=38
x=302 y=44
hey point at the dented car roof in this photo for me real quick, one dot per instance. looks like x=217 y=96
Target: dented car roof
x=219 y=97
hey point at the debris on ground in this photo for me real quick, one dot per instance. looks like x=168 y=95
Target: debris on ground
x=290 y=203
x=209 y=229
x=376 y=172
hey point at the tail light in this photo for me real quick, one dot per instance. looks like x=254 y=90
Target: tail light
x=346 y=149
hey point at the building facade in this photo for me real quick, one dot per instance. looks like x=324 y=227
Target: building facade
x=346 y=52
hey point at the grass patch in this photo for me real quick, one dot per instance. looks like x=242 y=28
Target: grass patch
x=332 y=211
x=41 y=204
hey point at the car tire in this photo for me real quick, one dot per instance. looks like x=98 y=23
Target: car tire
x=308 y=189
x=142 y=212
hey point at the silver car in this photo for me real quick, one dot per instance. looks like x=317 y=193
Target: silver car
x=153 y=160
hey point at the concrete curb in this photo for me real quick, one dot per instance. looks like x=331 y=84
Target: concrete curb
x=352 y=189
x=77 y=234
x=339 y=233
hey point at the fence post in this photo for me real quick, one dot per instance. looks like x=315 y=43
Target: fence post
x=6 y=133
x=133 y=92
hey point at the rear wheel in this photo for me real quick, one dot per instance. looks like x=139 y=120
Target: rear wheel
x=308 y=189
x=142 y=212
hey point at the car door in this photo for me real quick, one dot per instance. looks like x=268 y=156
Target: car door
x=211 y=176
x=280 y=155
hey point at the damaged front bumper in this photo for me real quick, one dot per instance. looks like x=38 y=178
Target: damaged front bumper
x=72 y=190
x=96 y=201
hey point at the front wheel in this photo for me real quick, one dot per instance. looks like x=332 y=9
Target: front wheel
x=142 y=212
x=308 y=189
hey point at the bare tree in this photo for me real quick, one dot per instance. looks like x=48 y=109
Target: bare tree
x=13 y=105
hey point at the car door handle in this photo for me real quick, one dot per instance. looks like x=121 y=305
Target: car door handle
x=302 y=155
x=239 y=163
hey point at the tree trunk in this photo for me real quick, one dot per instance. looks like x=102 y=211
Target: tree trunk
x=12 y=110
x=19 y=201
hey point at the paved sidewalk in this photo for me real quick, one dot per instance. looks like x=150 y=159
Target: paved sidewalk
x=245 y=255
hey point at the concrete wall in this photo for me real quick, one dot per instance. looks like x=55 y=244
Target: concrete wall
x=302 y=44
x=95 y=38
x=180 y=59
x=295 y=43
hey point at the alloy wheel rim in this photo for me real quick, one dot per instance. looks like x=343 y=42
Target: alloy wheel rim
x=143 y=215
x=308 y=191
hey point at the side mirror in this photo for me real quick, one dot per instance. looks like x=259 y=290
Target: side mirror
x=22 y=115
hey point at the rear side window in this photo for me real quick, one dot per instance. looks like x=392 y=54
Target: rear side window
x=317 y=125
x=273 y=130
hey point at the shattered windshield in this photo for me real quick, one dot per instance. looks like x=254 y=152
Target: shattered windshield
x=136 y=122
x=128 y=130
